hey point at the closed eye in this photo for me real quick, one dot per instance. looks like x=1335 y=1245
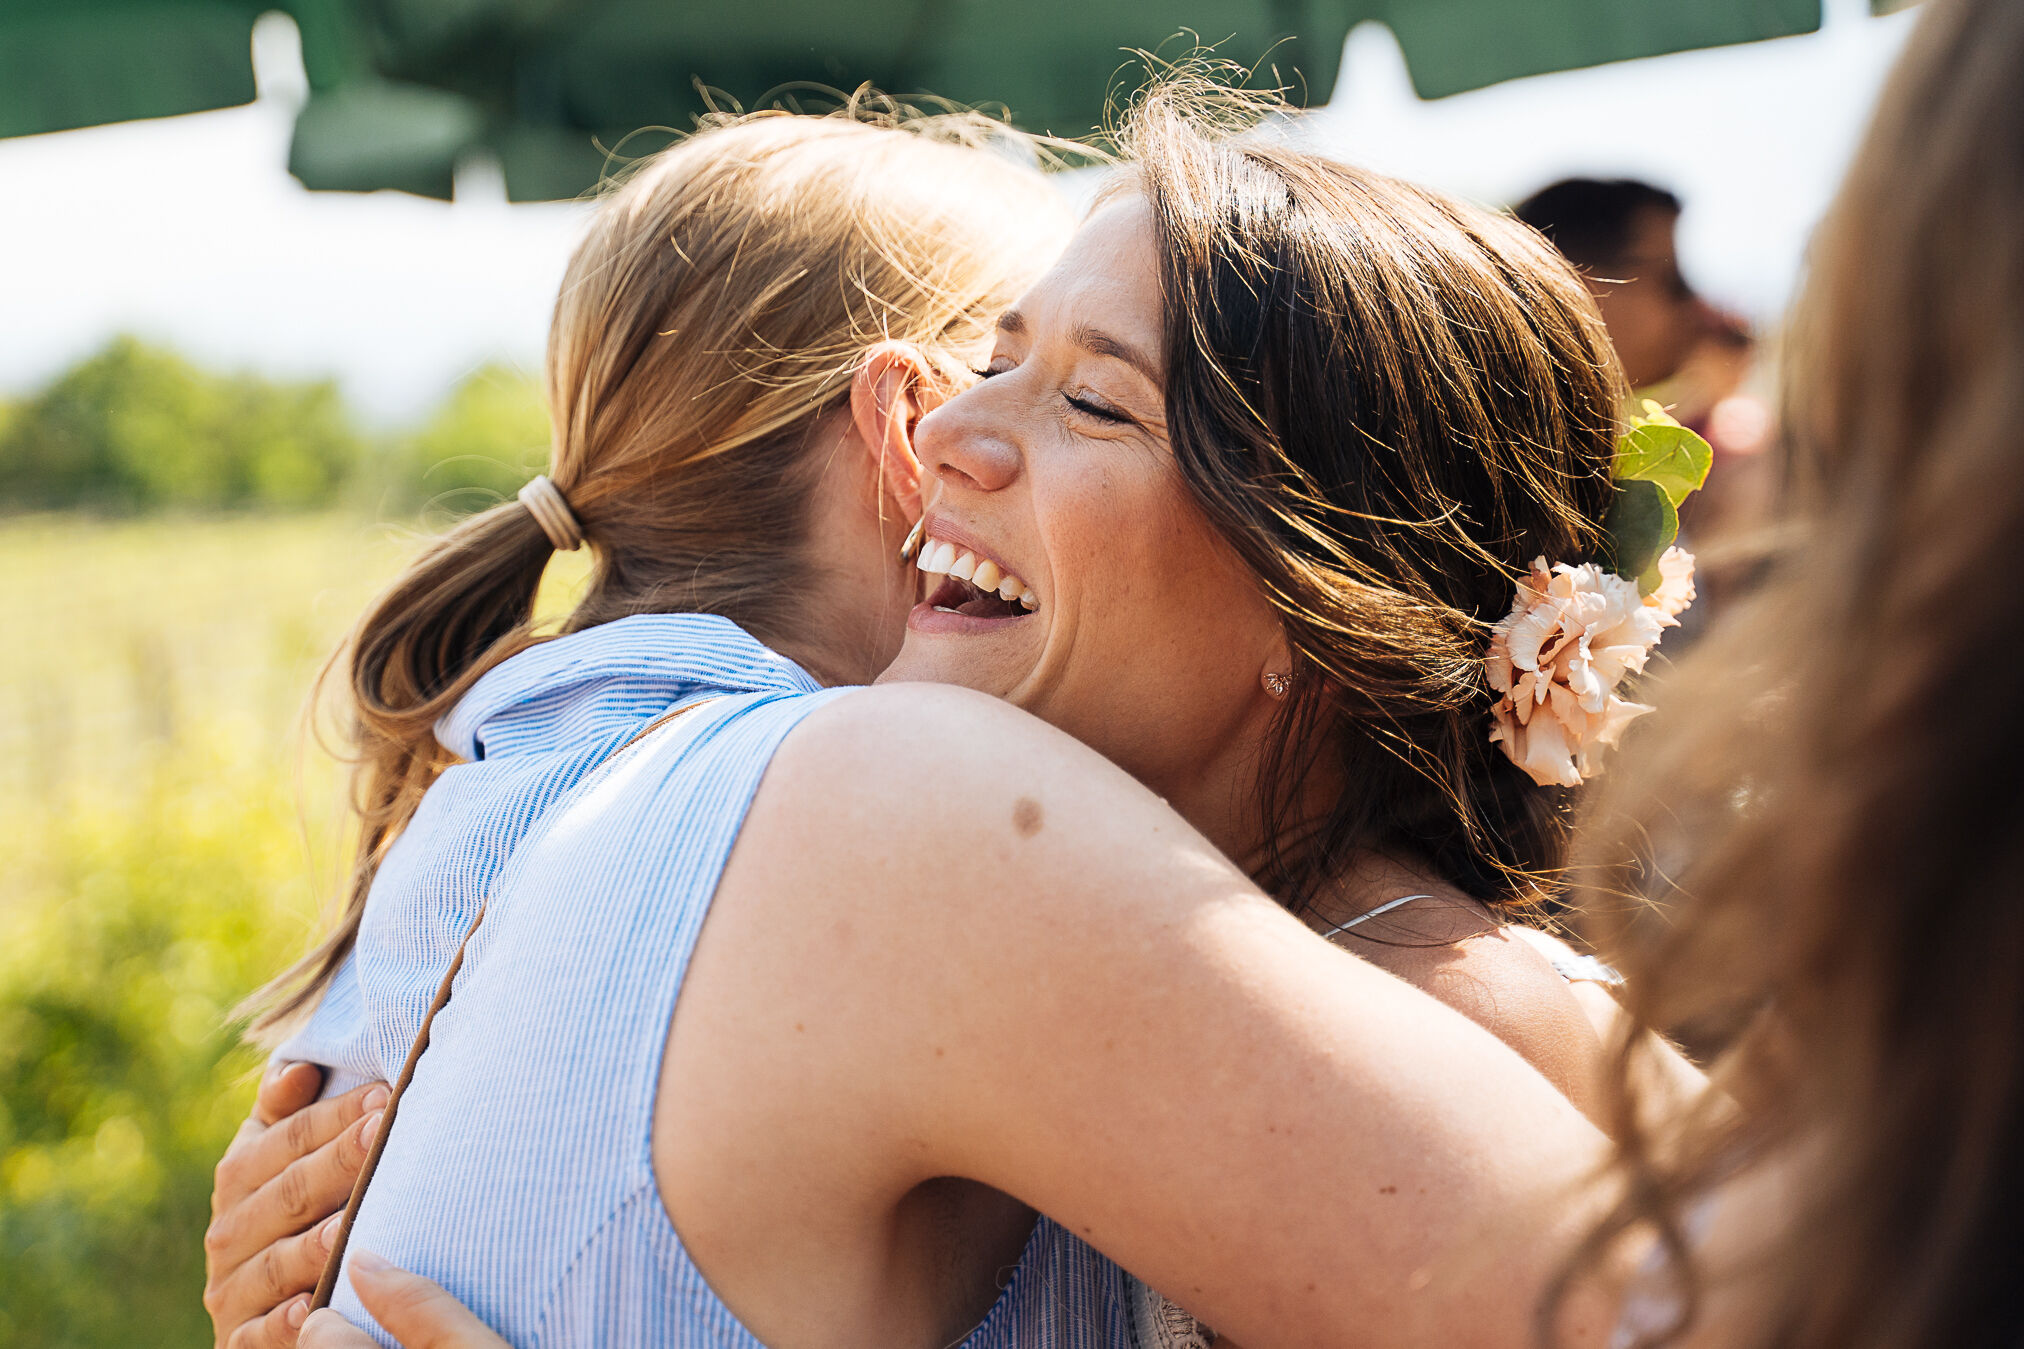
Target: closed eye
x=1090 y=407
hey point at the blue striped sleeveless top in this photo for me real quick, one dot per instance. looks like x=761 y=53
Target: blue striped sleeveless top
x=519 y=1174
x=527 y=732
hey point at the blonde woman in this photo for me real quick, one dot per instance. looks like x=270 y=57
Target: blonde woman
x=716 y=424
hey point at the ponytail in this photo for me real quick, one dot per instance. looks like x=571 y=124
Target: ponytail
x=458 y=610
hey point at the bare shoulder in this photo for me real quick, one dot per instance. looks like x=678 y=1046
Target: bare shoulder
x=880 y=743
x=933 y=846
x=927 y=784
x=1500 y=982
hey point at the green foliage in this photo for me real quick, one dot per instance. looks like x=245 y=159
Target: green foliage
x=135 y=428
x=163 y=849
x=488 y=438
x=1659 y=450
x=1642 y=523
x=1659 y=463
x=121 y=1079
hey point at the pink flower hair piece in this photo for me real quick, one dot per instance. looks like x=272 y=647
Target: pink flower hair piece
x=1556 y=659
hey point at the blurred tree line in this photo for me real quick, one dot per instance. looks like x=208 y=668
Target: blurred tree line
x=138 y=428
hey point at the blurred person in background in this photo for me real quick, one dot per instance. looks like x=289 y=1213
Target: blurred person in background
x=1847 y=745
x=1680 y=350
x=1620 y=234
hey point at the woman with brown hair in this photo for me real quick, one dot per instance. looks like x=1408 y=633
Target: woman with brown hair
x=1237 y=504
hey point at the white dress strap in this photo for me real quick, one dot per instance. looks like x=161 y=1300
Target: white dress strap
x=1385 y=907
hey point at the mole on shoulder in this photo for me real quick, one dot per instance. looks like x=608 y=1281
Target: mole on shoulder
x=1027 y=817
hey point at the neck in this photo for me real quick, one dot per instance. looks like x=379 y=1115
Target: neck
x=854 y=590
x=1221 y=793
x=833 y=658
x=1218 y=789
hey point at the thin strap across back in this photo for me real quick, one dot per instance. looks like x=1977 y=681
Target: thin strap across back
x=1385 y=907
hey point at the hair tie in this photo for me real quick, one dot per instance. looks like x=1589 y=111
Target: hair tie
x=550 y=509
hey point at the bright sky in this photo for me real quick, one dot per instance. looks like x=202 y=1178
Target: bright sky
x=190 y=231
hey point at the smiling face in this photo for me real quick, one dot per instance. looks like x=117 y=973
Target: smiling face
x=1117 y=612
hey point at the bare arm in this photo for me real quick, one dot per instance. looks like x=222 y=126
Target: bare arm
x=954 y=942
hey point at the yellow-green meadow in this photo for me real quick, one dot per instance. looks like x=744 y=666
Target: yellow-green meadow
x=168 y=836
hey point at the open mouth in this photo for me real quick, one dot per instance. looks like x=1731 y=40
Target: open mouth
x=963 y=597
x=972 y=586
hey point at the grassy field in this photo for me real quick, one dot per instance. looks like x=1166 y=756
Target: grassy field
x=167 y=839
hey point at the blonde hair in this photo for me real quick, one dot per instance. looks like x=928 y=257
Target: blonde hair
x=707 y=327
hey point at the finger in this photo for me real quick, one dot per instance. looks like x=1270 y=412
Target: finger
x=268 y=1154
x=415 y=1311
x=259 y=1152
x=285 y=1089
x=276 y=1275
x=306 y=1191
x=230 y=1181
x=327 y=1330
x=315 y=1186
x=278 y=1329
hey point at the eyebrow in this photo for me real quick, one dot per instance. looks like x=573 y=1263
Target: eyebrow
x=1103 y=344
x=1091 y=339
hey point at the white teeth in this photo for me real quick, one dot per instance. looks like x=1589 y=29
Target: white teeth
x=939 y=557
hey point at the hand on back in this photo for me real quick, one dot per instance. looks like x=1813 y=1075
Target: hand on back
x=416 y=1312
x=274 y=1205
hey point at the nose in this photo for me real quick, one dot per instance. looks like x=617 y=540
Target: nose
x=963 y=443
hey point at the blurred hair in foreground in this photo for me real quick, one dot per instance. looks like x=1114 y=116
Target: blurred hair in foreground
x=707 y=327
x=1839 y=763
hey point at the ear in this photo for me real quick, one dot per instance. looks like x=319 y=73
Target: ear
x=892 y=389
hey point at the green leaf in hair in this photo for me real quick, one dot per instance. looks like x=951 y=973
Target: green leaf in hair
x=1658 y=449
x=1641 y=524
x=1659 y=463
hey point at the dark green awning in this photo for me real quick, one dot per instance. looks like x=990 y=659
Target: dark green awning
x=403 y=89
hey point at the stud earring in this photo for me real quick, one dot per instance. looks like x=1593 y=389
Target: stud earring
x=1277 y=684
x=913 y=543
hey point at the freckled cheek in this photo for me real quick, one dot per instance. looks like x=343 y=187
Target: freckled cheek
x=1127 y=563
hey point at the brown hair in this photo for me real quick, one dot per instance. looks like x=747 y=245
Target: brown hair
x=1845 y=753
x=707 y=326
x=1388 y=403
